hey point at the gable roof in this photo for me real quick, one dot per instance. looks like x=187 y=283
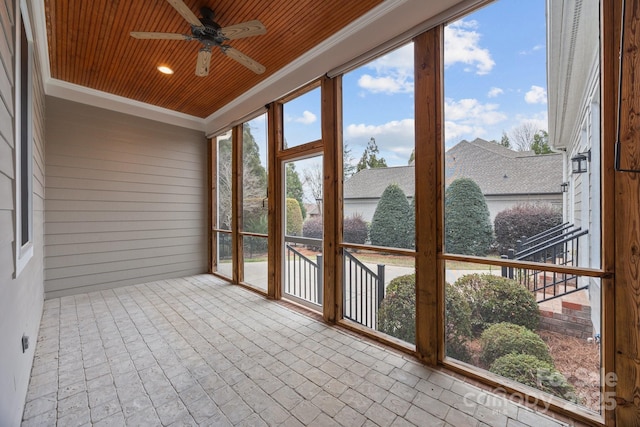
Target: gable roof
x=371 y=183
x=500 y=170
x=496 y=169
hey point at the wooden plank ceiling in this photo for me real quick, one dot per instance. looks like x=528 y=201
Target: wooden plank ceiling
x=90 y=45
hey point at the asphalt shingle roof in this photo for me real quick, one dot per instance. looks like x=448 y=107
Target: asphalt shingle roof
x=496 y=169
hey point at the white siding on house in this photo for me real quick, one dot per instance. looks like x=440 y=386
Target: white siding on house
x=21 y=298
x=126 y=200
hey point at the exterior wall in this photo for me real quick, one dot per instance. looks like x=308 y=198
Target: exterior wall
x=364 y=207
x=21 y=297
x=497 y=204
x=126 y=200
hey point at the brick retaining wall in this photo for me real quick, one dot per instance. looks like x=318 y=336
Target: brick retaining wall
x=575 y=320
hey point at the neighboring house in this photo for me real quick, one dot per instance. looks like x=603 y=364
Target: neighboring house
x=573 y=57
x=363 y=190
x=506 y=178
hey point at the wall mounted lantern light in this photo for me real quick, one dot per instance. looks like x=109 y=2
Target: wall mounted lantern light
x=579 y=162
x=564 y=187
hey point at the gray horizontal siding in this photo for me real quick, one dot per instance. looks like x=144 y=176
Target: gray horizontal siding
x=126 y=200
x=21 y=296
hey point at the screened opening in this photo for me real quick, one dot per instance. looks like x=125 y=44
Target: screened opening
x=521 y=106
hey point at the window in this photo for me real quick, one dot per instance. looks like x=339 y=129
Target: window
x=378 y=238
x=24 y=140
x=511 y=133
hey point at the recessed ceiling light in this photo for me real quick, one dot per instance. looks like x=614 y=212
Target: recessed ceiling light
x=164 y=69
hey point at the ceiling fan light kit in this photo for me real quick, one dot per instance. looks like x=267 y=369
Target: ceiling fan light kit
x=210 y=35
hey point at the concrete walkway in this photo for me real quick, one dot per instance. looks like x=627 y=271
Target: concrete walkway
x=197 y=351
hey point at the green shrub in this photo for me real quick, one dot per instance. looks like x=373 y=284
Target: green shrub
x=495 y=299
x=505 y=338
x=467 y=226
x=529 y=370
x=457 y=324
x=523 y=220
x=390 y=224
x=355 y=230
x=397 y=314
x=294 y=218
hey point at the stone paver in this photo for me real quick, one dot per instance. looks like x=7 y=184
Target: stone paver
x=197 y=351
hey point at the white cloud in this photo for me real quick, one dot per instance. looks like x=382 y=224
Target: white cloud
x=470 y=118
x=395 y=139
x=495 y=91
x=395 y=128
x=536 y=95
x=388 y=84
x=393 y=73
x=461 y=45
x=307 y=118
x=532 y=50
x=541 y=120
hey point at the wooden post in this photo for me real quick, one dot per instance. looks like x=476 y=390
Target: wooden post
x=236 y=204
x=626 y=301
x=332 y=206
x=274 y=191
x=429 y=204
x=212 y=180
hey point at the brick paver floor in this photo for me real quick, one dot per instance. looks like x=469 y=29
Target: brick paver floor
x=198 y=351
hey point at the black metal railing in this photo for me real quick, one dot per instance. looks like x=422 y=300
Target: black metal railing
x=303 y=275
x=559 y=246
x=363 y=291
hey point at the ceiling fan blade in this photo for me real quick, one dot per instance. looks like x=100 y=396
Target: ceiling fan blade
x=244 y=29
x=202 y=65
x=158 y=36
x=243 y=59
x=186 y=13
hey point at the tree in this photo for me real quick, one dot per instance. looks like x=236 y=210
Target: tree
x=504 y=141
x=294 y=187
x=369 y=159
x=254 y=175
x=390 y=225
x=348 y=168
x=522 y=136
x=313 y=178
x=540 y=143
x=467 y=226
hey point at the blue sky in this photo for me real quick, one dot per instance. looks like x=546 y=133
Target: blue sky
x=495 y=79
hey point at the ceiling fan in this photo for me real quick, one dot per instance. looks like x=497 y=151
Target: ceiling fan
x=210 y=34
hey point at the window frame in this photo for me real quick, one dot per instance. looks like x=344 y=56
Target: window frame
x=23 y=143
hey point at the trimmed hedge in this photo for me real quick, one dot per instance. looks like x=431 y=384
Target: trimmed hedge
x=526 y=219
x=294 y=218
x=397 y=314
x=495 y=299
x=531 y=371
x=457 y=315
x=390 y=224
x=355 y=230
x=505 y=338
x=467 y=228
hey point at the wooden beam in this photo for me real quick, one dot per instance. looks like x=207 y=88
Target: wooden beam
x=627 y=212
x=428 y=169
x=332 y=203
x=236 y=203
x=275 y=200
